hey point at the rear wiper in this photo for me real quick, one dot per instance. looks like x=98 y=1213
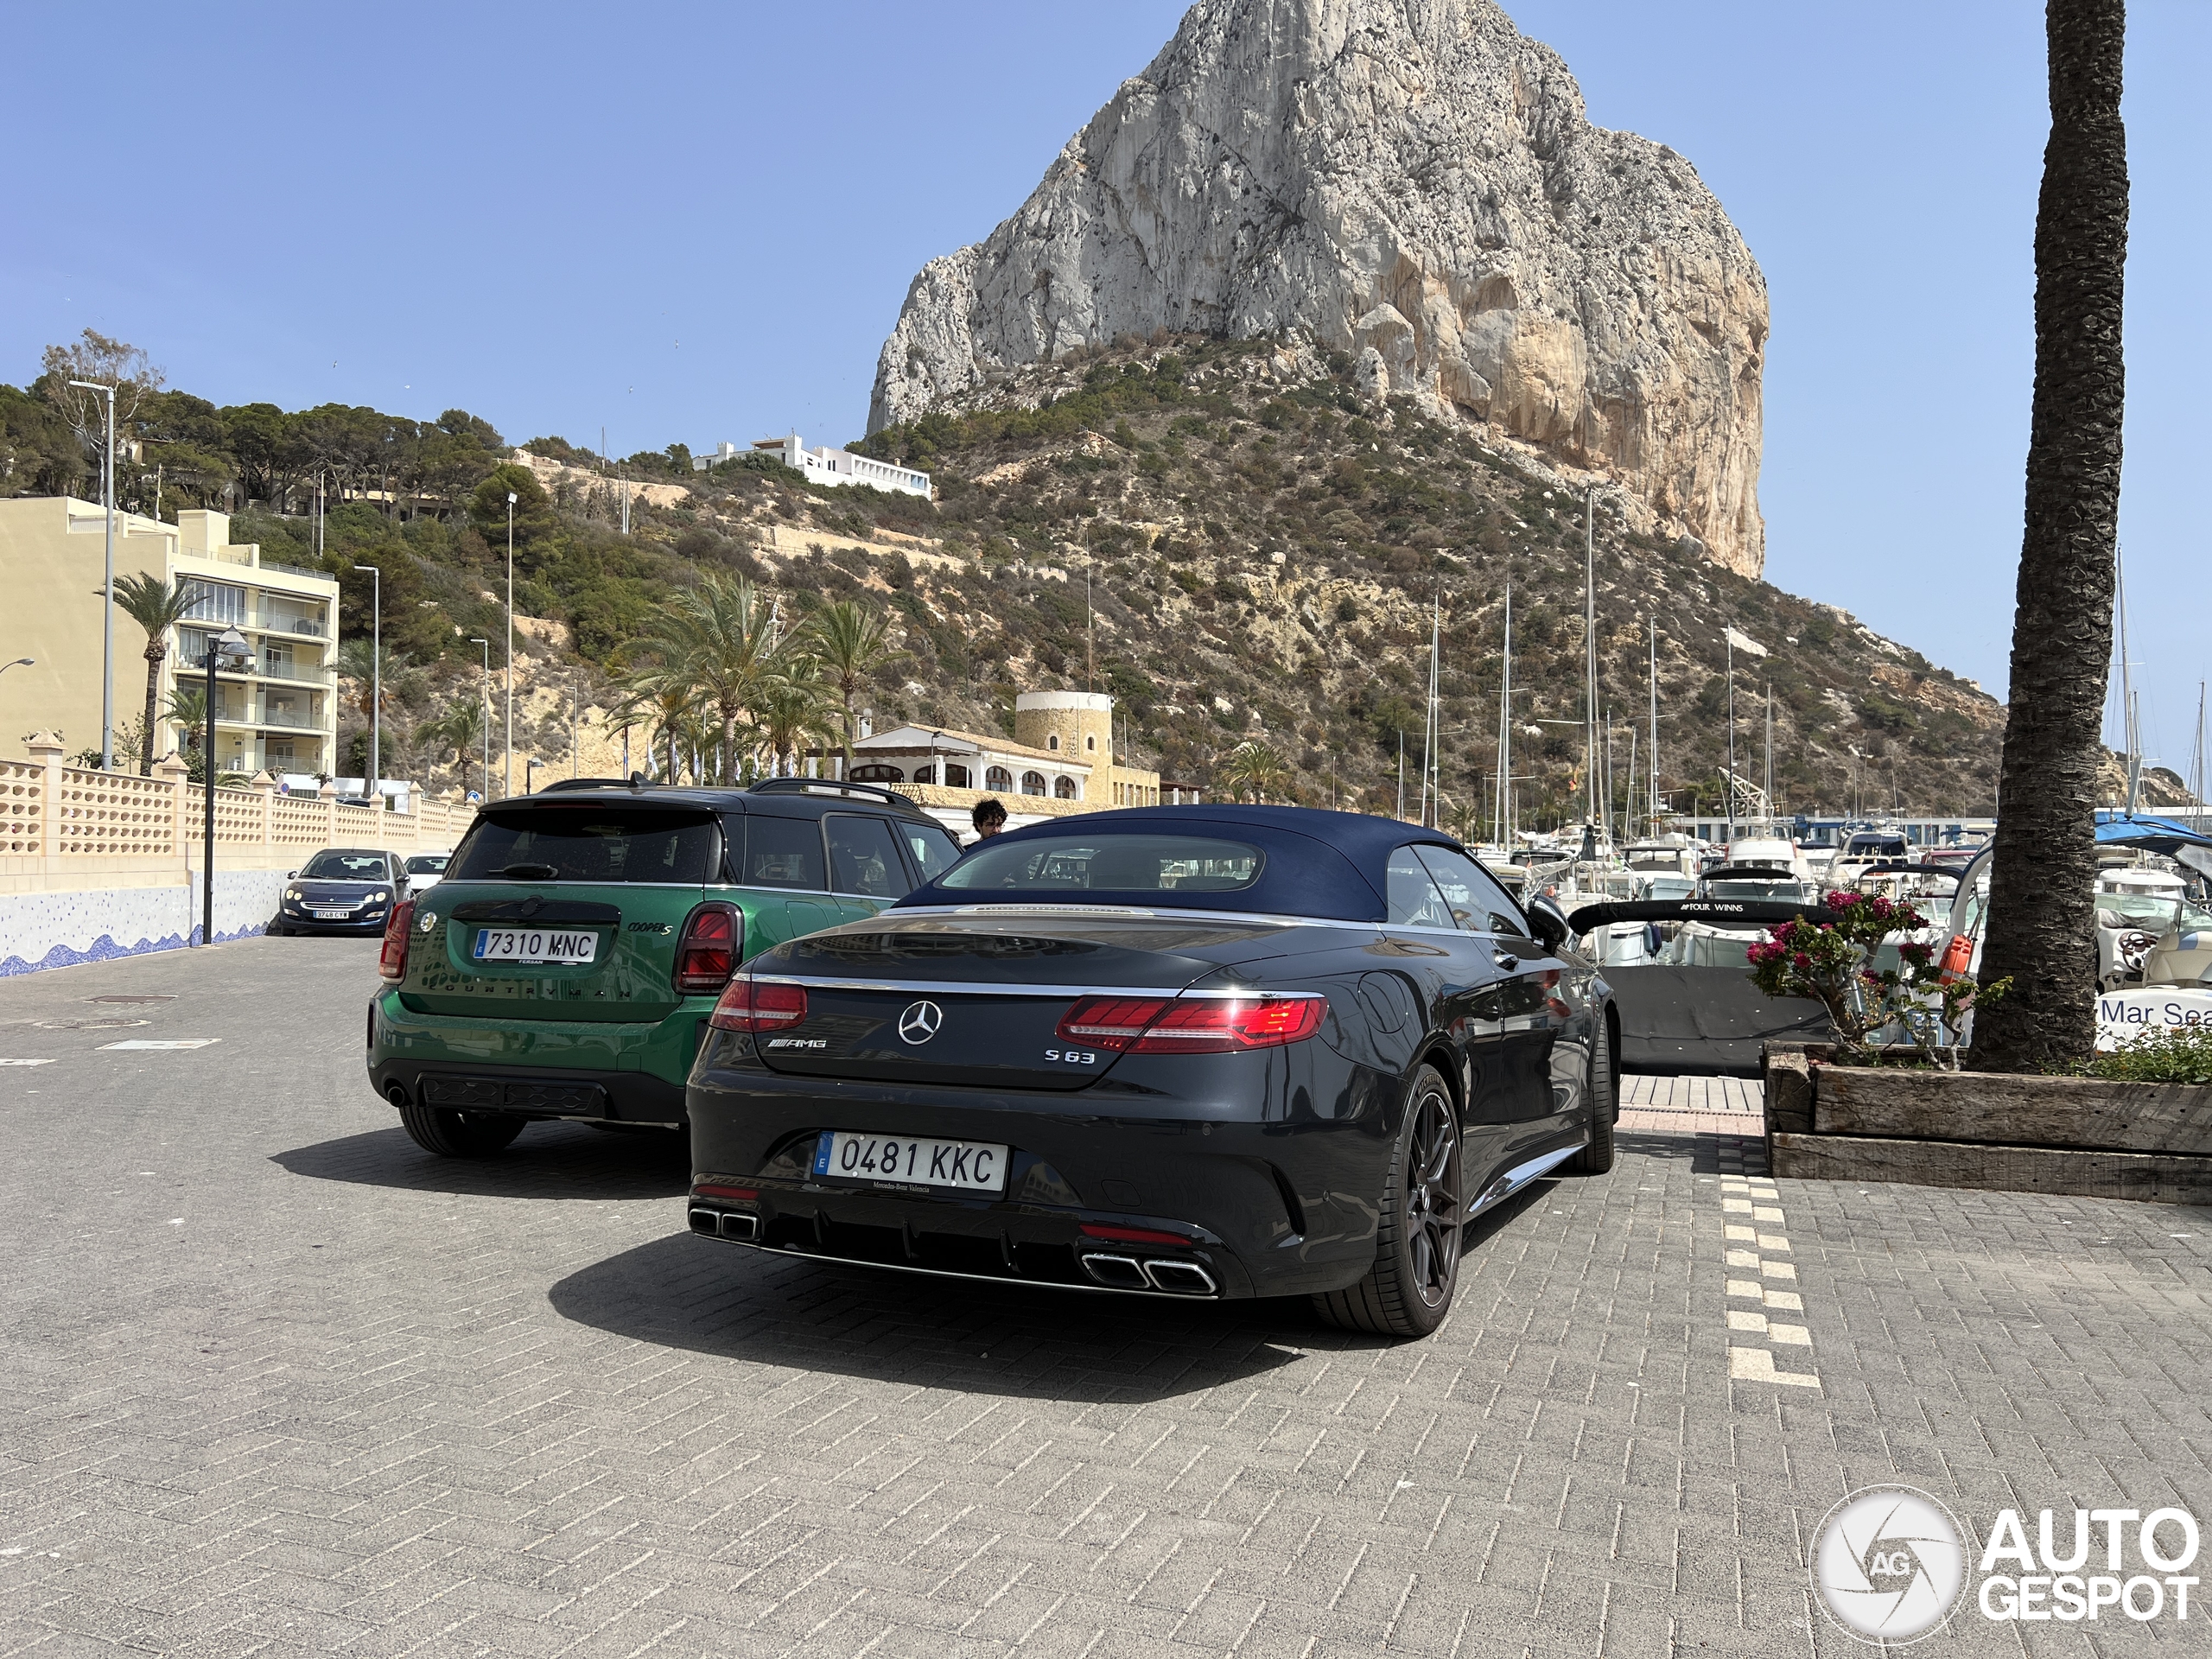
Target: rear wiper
x=528 y=872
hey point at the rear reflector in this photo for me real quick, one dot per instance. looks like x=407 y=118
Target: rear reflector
x=1193 y=1024
x=712 y=945
x=1134 y=1235
x=391 y=961
x=716 y=1189
x=755 y=1005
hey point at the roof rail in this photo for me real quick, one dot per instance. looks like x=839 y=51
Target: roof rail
x=561 y=785
x=829 y=786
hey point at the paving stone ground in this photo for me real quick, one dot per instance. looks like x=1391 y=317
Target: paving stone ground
x=277 y=1383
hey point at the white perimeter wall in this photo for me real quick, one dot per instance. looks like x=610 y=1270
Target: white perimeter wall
x=60 y=930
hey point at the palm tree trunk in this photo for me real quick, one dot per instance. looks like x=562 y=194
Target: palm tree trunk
x=2042 y=922
x=153 y=683
x=845 y=699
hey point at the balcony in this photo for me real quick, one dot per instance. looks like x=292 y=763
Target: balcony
x=259 y=668
x=290 y=623
x=299 y=673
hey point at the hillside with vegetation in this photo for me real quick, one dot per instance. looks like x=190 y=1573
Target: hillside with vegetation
x=1221 y=533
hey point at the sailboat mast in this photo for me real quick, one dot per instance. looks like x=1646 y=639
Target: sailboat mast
x=1430 y=735
x=1589 y=650
x=1730 y=638
x=2197 y=765
x=1500 y=831
x=1651 y=794
x=1773 y=811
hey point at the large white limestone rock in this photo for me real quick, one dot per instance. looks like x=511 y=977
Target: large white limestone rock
x=1415 y=183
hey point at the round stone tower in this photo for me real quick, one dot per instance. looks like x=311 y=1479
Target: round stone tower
x=1077 y=724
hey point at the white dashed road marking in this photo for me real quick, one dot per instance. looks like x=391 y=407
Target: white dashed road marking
x=1752 y=1206
x=143 y=1042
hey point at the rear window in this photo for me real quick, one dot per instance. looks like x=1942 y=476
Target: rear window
x=427 y=864
x=593 y=844
x=782 y=853
x=1108 y=863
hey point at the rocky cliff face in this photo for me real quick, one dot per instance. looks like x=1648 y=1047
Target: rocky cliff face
x=1411 y=181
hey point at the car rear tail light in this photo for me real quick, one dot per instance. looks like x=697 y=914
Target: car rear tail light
x=1133 y=1235
x=391 y=961
x=709 y=948
x=750 y=1004
x=1193 y=1024
x=1111 y=1022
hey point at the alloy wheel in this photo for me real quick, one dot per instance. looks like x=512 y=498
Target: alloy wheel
x=1433 y=1211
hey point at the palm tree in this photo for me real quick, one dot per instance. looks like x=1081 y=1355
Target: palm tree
x=792 y=708
x=853 y=640
x=1252 y=765
x=719 y=636
x=460 y=728
x=2044 y=874
x=155 y=604
x=667 y=704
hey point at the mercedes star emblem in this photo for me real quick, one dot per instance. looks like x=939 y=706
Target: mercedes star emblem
x=920 y=1022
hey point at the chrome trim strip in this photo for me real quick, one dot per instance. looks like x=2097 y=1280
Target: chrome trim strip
x=1266 y=919
x=943 y=1273
x=1518 y=1177
x=991 y=988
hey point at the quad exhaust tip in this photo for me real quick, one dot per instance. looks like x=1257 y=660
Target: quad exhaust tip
x=1127 y=1272
x=725 y=1224
x=1179 y=1278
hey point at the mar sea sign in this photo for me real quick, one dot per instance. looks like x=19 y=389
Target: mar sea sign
x=2124 y=1015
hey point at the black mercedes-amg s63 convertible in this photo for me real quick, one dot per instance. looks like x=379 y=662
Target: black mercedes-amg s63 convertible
x=1200 y=1050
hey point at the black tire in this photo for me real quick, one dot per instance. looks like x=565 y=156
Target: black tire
x=1597 y=1157
x=1408 y=1291
x=458 y=1135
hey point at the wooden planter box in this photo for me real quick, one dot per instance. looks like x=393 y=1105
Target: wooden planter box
x=2150 y=1141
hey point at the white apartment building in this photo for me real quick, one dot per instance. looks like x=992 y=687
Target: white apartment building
x=822 y=465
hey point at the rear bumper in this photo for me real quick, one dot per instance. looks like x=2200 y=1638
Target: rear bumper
x=588 y=1070
x=535 y=1091
x=1266 y=1206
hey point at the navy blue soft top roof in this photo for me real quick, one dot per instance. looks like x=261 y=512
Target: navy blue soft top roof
x=1325 y=864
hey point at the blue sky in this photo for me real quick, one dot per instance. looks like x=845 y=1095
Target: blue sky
x=698 y=224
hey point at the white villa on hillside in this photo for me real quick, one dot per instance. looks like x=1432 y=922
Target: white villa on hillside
x=823 y=465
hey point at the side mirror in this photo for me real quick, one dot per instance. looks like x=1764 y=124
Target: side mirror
x=1550 y=922
x=291 y=875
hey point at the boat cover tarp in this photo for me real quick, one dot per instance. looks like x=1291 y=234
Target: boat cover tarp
x=1706 y=1021
x=2151 y=833
x=1703 y=1021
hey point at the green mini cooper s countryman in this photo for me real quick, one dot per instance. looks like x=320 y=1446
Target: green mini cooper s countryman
x=567 y=962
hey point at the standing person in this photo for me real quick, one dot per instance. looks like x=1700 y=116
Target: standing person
x=988 y=817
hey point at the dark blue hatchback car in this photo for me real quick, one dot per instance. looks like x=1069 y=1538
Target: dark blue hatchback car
x=1205 y=1051
x=341 y=890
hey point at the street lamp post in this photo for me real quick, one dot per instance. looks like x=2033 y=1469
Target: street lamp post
x=229 y=644
x=376 y=679
x=530 y=775
x=487 y=773
x=509 y=784
x=107 y=588
x=20 y=662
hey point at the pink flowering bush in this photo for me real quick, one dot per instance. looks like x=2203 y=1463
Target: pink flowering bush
x=1832 y=963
